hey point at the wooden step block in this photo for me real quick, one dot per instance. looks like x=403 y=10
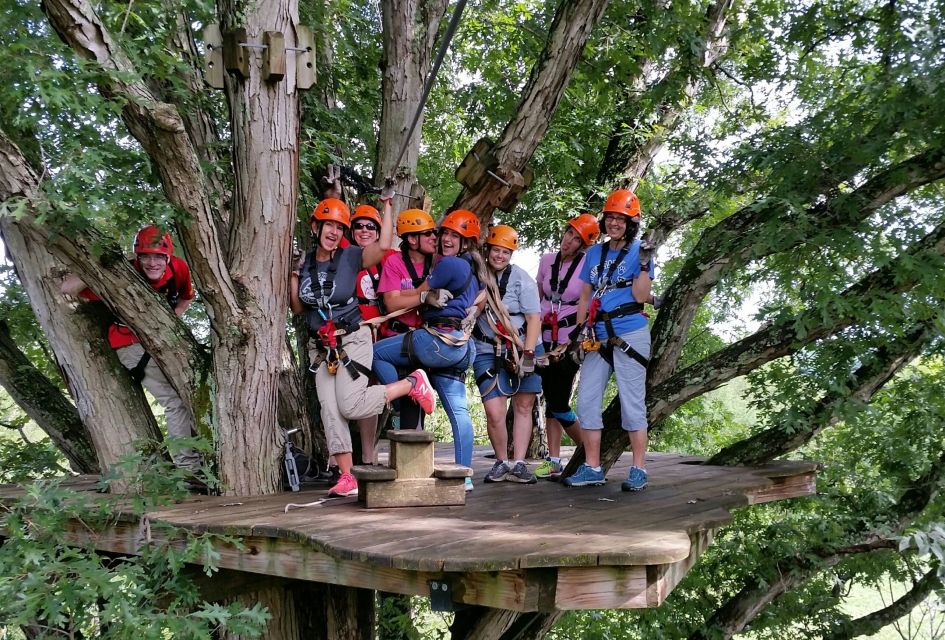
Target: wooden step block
x=410 y=435
x=419 y=492
x=446 y=470
x=412 y=459
x=373 y=473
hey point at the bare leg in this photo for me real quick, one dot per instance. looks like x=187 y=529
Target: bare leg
x=553 y=429
x=591 y=439
x=496 y=409
x=367 y=427
x=344 y=461
x=638 y=445
x=522 y=404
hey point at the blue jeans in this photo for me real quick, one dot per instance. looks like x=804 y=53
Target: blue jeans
x=443 y=363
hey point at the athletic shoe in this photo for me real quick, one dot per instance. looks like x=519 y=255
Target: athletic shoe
x=499 y=472
x=549 y=469
x=347 y=486
x=422 y=391
x=636 y=480
x=585 y=476
x=521 y=474
x=469 y=484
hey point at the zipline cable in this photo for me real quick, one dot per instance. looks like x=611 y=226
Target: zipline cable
x=447 y=37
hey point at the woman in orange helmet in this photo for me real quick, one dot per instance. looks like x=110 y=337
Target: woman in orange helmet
x=617 y=280
x=507 y=341
x=340 y=348
x=560 y=290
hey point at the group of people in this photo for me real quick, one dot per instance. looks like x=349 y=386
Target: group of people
x=442 y=303
x=404 y=326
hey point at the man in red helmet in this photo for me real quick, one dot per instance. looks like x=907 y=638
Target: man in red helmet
x=170 y=276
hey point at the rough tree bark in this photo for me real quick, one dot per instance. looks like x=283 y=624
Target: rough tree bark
x=409 y=32
x=44 y=403
x=572 y=26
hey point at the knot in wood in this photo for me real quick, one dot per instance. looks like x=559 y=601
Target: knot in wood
x=167 y=118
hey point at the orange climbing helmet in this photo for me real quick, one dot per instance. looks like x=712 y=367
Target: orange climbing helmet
x=463 y=222
x=502 y=235
x=367 y=211
x=414 y=221
x=332 y=209
x=623 y=201
x=587 y=227
x=149 y=239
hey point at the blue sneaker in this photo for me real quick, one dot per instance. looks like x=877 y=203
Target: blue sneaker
x=585 y=476
x=636 y=480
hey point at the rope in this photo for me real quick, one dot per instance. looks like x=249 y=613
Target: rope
x=444 y=45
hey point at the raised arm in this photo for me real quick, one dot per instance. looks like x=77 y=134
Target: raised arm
x=373 y=254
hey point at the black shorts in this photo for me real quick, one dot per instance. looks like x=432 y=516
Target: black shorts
x=557 y=382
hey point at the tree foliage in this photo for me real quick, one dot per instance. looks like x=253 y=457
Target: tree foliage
x=789 y=155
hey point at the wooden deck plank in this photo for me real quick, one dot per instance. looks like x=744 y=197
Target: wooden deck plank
x=522 y=547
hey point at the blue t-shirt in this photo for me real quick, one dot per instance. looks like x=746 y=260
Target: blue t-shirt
x=625 y=272
x=455 y=275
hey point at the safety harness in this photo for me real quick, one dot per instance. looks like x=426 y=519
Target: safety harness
x=594 y=314
x=552 y=322
x=330 y=333
x=508 y=343
x=442 y=328
x=172 y=294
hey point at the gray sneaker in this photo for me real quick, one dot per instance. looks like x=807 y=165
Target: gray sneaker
x=521 y=474
x=499 y=472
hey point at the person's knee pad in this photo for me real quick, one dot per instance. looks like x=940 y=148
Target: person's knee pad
x=566 y=418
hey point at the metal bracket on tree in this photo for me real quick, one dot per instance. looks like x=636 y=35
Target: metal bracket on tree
x=230 y=52
x=480 y=165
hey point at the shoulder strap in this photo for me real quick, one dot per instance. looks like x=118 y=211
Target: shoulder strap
x=602 y=280
x=504 y=281
x=557 y=290
x=427 y=265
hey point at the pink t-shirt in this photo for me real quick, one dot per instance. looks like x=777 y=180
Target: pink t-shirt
x=396 y=277
x=569 y=297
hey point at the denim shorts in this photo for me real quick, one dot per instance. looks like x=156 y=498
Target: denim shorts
x=508 y=383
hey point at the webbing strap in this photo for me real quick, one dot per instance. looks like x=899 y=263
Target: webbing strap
x=557 y=290
x=137 y=372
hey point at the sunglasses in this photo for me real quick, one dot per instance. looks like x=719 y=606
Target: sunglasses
x=358 y=226
x=427 y=233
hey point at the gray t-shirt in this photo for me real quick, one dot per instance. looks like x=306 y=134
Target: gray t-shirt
x=341 y=295
x=521 y=297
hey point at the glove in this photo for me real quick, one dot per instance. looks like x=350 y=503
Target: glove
x=387 y=193
x=436 y=298
x=526 y=365
x=576 y=351
x=647 y=249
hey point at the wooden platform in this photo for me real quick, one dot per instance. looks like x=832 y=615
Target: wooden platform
x=539 y=547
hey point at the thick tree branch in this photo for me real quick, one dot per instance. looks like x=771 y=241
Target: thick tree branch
x=46 y=405
x=733 y=616
x=160 y=130
x=878 y=368
x=871 y=623
x=737 y=241
x=572 y=26
x=791 y=334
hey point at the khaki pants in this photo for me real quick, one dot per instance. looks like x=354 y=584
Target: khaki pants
x=180 y=422
x=343 y=398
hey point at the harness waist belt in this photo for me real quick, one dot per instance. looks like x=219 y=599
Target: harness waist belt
x=627 y=309
x=450 y=324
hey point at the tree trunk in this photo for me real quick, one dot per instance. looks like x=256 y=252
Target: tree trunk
x=247 y=354
x=44 y=403
x=483 y=623
x=350 y=613
x=113 y=409
x=409 y=33
x=572 y=26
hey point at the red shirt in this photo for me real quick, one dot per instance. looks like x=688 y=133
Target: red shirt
x=175 y=282
x=366 y=290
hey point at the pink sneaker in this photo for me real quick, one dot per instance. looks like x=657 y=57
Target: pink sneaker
x=422 y=392
x=347 y=486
